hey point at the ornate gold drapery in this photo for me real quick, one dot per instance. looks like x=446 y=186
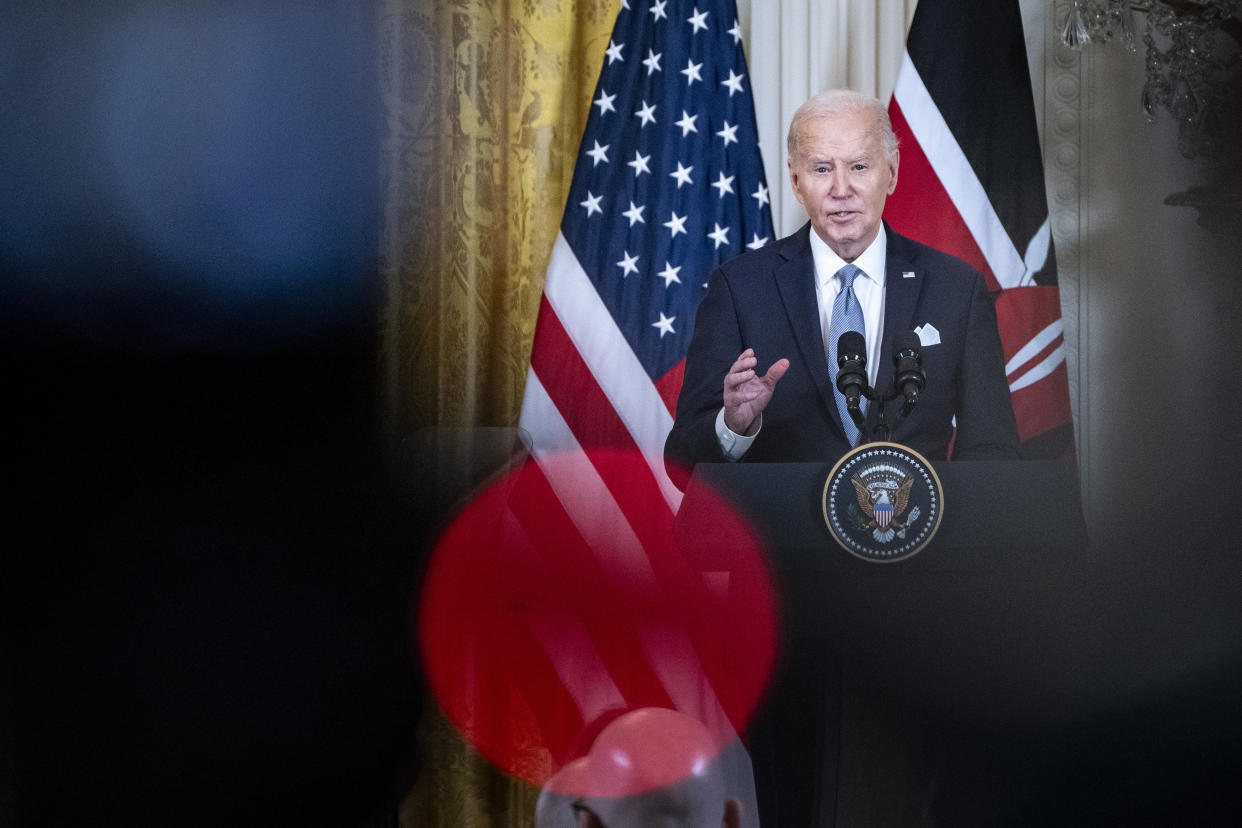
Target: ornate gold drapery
x=485 y=103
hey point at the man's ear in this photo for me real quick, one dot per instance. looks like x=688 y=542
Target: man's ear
x=793 y=181
x=896 y=163
x=732 y=814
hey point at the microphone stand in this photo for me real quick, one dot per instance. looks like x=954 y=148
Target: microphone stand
x=880 y=431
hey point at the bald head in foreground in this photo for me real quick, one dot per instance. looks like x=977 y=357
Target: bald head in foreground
x=651 y=768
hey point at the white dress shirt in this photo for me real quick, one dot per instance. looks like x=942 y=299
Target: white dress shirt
x=869 y=290
x=868 y=287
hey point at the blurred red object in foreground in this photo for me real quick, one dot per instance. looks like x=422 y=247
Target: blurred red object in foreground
x=534 y=638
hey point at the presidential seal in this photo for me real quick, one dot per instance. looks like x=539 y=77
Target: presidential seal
x=883 y=502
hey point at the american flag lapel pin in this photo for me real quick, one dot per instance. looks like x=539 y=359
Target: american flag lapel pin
x=907 y=274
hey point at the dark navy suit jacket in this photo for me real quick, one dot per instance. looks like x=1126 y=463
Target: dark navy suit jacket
x=766 y=300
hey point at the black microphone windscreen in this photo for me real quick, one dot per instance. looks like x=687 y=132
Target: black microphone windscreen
x=852 y=343
x=907 y=341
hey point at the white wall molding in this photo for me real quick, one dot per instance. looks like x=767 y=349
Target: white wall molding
x=1065 y=160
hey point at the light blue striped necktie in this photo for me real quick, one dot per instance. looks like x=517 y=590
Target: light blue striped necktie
x=847 y=315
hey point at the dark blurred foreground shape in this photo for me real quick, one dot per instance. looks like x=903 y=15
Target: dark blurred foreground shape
x=1001 y=676
x=209 y=568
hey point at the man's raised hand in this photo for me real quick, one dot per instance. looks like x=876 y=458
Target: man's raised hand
x=746 y=393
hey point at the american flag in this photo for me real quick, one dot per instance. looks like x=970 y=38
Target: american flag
x=972 y=184
x=667 y=184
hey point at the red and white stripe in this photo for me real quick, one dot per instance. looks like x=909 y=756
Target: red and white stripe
x=958 y=178
x=587 y=389
x=945 y=204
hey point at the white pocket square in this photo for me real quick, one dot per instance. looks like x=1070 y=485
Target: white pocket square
x=928 y=335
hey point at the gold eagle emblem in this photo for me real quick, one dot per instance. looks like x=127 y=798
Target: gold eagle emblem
x=868 y=501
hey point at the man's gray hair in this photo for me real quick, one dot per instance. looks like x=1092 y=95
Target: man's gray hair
x=844 y=102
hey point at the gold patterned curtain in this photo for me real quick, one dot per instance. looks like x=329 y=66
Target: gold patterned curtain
x=485 y=103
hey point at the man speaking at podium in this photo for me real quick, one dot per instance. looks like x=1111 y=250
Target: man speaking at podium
x=760 y=385
x=761 y=369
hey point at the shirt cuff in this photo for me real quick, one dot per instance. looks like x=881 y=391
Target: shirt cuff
x=734 y=445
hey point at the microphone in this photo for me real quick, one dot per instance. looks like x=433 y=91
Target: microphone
x=852 y=373
x=908 y=362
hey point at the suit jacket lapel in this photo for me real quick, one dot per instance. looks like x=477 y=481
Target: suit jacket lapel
x=795 y=280
x=900 y=302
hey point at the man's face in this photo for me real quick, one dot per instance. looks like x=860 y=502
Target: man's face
x=841 y=176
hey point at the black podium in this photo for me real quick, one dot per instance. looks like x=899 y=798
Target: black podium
x=997 y=515
x=895 y=681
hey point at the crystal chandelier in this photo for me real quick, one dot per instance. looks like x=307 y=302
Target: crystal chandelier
x=1194 y=65
x=1192 y=60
